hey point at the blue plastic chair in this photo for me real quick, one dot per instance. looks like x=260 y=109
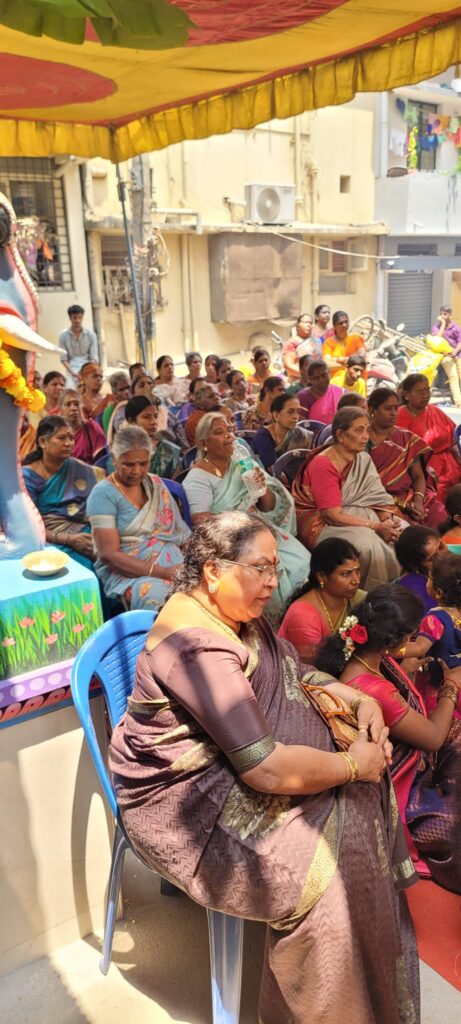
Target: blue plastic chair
x=315 y=425
x=288 y=465
x=189 y=457
x=457 y=433
x=110 y=656
x=324 y=435
x=179 y=494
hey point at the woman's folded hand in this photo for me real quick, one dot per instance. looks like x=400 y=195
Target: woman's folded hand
x=387 y=531
x=370 y=717
x=370 y=757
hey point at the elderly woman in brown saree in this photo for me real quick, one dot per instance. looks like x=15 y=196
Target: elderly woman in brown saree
x=229 y=783
x=338 y=493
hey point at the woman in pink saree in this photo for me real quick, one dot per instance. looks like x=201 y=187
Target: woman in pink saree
x=229 y=783
x=436 y=429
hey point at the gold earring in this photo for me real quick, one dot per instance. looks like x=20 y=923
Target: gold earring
x=322 y=584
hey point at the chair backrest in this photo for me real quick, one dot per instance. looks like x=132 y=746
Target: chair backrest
x=180 y=496
x=457 y=433
x=324 y=435
x=109 y=655
x=286 y=466
x=189 y=457
x=101 y=463
x=314 y=425
x=248 y=436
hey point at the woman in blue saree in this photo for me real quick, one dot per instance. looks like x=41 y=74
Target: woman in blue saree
x=59 y=486
x=137 y=527
x=217 y=483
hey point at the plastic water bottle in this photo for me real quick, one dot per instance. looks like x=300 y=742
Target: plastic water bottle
x=250 y=476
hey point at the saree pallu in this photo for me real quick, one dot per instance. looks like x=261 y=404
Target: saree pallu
x=154 y=533
x=61 y=501
x=393 y=459
x=330 y=901
x=436 y=429
x=231 y=493
x=361 y=493
x=428 y=790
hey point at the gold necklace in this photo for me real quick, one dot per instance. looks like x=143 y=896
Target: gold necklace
x=327 y=613
x=227 y=629
x=122 y=490
x=215 y=468
x=374 y=671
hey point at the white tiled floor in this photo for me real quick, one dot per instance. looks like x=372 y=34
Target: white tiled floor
x=159 y=974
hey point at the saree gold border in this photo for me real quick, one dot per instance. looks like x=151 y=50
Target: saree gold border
x=322 y=869
x=405 y=869
x=408 y=59
x=248 y=757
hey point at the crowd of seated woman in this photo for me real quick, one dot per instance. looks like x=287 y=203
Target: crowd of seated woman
x=369 y=479
x=352 y=569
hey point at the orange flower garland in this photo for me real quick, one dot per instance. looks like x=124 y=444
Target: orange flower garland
x=15 y=384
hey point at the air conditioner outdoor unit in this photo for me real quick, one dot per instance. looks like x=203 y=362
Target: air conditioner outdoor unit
x=270 y=204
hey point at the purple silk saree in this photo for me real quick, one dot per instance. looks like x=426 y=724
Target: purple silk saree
x=323 y=871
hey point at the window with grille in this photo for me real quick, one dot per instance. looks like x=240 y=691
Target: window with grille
x=38 y=201
x=424 y=156
x=333 y=269
x=116 y=274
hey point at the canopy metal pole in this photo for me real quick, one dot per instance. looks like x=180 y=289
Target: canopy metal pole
x=121 y=189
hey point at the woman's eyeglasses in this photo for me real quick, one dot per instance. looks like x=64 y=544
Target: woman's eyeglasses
x=266 y=572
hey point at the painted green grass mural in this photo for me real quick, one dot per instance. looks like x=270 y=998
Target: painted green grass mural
x=44 y=631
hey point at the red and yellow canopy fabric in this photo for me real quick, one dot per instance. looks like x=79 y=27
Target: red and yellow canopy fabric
x=192 y=68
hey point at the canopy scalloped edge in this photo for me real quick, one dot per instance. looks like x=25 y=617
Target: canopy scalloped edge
x=404 y=61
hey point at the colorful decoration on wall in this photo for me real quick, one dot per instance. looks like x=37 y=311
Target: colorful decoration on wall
x=46 y=630
x=437 y=128
x=44 y=621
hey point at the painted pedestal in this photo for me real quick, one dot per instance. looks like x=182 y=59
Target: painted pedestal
x=56 y=840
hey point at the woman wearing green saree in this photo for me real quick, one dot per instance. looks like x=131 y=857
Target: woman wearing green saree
x=216 y=484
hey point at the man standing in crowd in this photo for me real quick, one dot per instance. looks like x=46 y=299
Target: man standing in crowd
x=80 y=345
x=446 y=328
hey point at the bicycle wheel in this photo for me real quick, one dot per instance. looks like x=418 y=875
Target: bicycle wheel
x=364 y=325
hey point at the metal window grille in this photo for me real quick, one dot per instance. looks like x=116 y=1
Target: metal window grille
x=38 y=200
x=116 y=273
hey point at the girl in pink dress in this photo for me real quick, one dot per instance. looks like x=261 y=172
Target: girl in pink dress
x=427 y=789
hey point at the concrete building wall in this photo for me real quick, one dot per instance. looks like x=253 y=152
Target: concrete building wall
x=209 y=177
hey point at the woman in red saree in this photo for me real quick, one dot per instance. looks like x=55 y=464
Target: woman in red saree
x=428 y=789
x=435 y=428
x=228 y=783
x=338 y=493
x=400 y=458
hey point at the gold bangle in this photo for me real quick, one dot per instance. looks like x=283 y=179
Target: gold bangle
x=449 y=693
x=352 y=765
x=362 y=698
x=418 y=494
x=402 y=651
x=151 y=567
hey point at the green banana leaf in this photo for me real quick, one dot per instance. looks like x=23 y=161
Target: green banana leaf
x=138 y=24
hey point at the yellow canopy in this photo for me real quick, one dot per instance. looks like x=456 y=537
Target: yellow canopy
x=240 y=64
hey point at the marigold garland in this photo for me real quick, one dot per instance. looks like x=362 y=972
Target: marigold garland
x=14 y=383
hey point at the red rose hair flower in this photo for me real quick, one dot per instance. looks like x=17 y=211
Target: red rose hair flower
x=358 y=634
